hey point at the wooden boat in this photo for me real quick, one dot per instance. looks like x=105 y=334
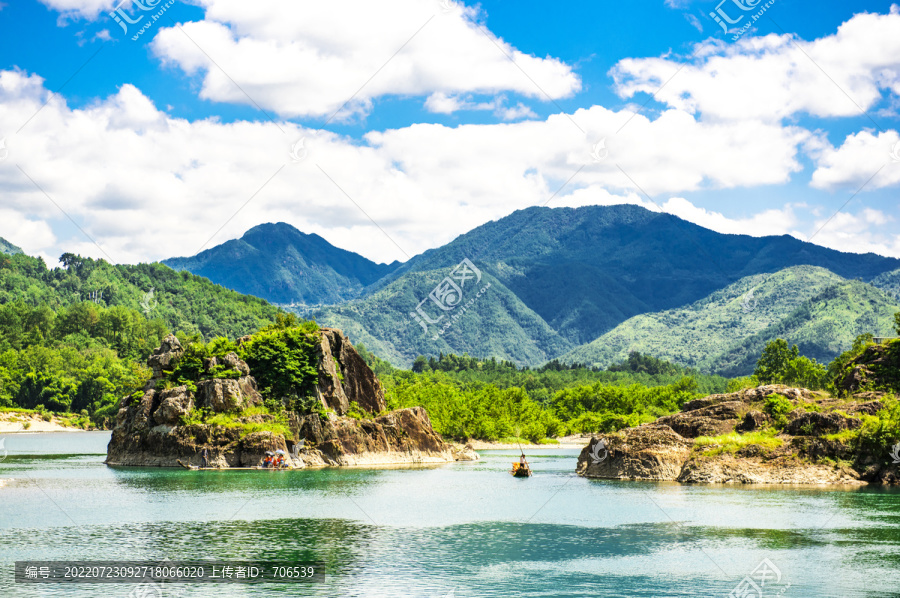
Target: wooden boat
x=520 y=470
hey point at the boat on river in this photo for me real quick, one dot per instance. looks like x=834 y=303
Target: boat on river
x=520 y=470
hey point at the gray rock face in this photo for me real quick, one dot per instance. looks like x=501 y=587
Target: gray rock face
x=344 y=376
x=224 y=395
x=164 y=358
x=174 y=404
x=648 y=452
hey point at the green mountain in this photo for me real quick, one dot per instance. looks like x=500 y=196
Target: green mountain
x=577 y=271
x=496 y=324
x=8 y=248
x=889 y=282
x=283 y=265
x=725 y=332
x=183 y=301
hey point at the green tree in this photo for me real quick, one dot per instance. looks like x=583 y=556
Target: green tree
x=284 y=362
x=897 y=322
x=774 y=361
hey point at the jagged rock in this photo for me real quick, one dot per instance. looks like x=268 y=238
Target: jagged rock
x=344 y=376
x=142 y=418
x=878 y=366
x=164 y=358
x=174 y=404
x=731 y=469
x=149 y=431
x=464 y=452
x=224 y=395
x=819 y=424
x=648 y=452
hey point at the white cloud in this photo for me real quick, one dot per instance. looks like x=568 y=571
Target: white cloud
x=774 y=77
x=864 y=232
x=87 y=9
x=309 y=58
x=132 y=175
x=767 y=222
x=864 y=158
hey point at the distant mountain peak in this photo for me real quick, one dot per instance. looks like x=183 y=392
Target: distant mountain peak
x=282 y=264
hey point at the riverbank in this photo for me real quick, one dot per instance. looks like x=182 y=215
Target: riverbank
x=577 y=441
x=23 y=421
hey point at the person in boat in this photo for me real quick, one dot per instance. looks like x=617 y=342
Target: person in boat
x=522 y=460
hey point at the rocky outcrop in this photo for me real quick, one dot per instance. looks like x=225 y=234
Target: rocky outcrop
x=164 y=358
x=798 y=451
x=877 y=367
x=402 y=436
x=156 y=427
x=344 y=376
x=649 y=452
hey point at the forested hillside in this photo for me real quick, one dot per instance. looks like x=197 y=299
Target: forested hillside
x=567 y=276
x=724 y=333
x=73 y=338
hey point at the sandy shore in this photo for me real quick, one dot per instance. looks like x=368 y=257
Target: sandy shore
x=16 y=422
x=566 y=442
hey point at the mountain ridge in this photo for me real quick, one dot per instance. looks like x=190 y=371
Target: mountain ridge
x=281 y=264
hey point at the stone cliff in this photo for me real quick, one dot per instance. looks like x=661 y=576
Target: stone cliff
x=767 y=435
x=161 y=425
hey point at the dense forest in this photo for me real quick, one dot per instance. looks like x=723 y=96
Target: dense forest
x=74 y=339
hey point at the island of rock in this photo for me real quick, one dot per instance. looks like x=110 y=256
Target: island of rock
x=155 y=428
x=711 y=441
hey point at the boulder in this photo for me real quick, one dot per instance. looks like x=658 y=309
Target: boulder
x=235 y=363
x=648 y=452
x=224 y=395
x=174 y=404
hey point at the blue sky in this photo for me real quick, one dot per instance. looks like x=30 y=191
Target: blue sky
x=163 y=145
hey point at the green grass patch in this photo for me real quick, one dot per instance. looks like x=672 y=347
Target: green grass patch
x=733 y=442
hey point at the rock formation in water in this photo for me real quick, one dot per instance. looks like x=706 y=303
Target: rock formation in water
x=156 y=427
x=798 y=450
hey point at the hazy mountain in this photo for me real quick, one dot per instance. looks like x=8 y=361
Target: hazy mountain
x=283 y=265
x=725 y=332
x=8 y=248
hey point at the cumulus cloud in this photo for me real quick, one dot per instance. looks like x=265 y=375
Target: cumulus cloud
x=776 y=76
x=864 y=158
x=132 y=175
x=315 y=58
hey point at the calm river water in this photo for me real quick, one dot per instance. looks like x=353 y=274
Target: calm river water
x=459 y=530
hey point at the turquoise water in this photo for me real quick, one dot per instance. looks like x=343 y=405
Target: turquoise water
x=461 y=530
